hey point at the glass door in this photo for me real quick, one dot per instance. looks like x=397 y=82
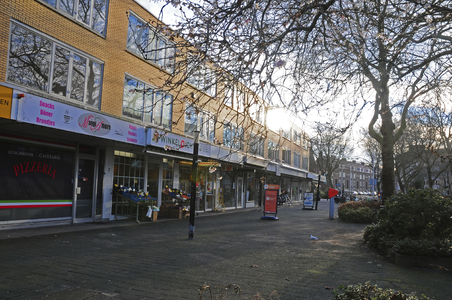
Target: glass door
x=85 y=189
x=240 y=192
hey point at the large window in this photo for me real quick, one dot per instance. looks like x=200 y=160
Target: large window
x=233 y=136
x=286 y=155
x=273 y=150
x=296 y=159
x=256 y=144
x=201 y=76
x=39 y=62
x=201 y=120
x=143 y=40
x=143 y=103
x=92 y=13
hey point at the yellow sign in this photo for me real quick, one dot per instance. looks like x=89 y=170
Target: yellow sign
x=6 y=102
x=208 y=164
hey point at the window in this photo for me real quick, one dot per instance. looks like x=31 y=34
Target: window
x=285 y=133
x=296 y=137
x=305 y=142
x=41 y=63
x=256 y=145
x=204 y=121
x=257 y=110
x=92 y=13
x=305 y=163
x=143 y=40
x=143 y=103
x=296 y=160
x=233 y=136
x=201 y=76
x=273 y=150
x=286 y=155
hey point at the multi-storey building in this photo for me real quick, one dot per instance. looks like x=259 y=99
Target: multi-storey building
x=83 y=109
x=353 y=176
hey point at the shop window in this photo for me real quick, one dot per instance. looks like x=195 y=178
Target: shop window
x=273 y=150
x=256 y=145
x=233 y=136
x=39 y=62
x=296 y=160
x=143 y=103
x=145 y=41
x=129 y=170
x=203 y=121
x=92 y=13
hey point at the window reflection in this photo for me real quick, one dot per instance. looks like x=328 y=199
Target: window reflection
x=29 y=58
x=60 y=71
x=33 y=60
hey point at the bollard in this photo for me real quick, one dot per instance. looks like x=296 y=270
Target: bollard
x=331 y=208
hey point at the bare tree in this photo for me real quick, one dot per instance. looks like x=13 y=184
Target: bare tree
x=304 y=54
x=329 y=147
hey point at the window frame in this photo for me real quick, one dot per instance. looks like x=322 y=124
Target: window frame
x=256 y=144
x=157 y=96
x=151 y=50
x=297 y=160
x=73 y=52
x=198 y=73
x=286 y=156
x=206 y=128
x=274 y=149
x=74 y=15
x=234 y=142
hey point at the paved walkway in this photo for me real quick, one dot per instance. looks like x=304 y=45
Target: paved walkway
x=275 y=259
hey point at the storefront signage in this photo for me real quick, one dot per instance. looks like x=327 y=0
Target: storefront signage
x=48 y=113
x=37 y=181
x=171 y=141
x=6 y=100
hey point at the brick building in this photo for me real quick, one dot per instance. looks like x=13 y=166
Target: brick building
x=82 y=110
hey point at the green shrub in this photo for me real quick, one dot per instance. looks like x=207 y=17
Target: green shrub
x=358 y=211
x=360 y=215
x=416 y=223
x=367 y=291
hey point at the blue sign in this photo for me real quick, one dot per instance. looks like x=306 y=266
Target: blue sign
x=372 y=181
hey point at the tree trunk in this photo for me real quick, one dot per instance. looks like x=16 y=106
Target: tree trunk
x=387 y=146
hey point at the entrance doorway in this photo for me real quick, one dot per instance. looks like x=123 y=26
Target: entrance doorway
x=85 y=189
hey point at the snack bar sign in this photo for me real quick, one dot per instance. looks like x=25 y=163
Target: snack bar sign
x=48 y=113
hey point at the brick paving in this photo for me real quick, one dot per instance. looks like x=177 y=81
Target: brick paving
x=274 y=259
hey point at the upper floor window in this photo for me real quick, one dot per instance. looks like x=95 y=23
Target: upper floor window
x=39 y=62
x=297 y=137
x=305 y=163
x=286 y=156
x=296 y=159
x=201 y=76
x=92 y=13
x=305 y=143
x=257 y=110
x=256 y=145
x=143 y=103
x=197 y=119
x=285 y=132
x=145 y=41
x=233 y=136
x=273 y=150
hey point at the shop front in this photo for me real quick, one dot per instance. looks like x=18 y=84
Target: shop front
x=57 y=161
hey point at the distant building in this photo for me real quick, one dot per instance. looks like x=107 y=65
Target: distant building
x=352 y=176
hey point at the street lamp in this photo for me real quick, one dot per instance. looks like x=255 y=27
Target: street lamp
x=194 y=178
